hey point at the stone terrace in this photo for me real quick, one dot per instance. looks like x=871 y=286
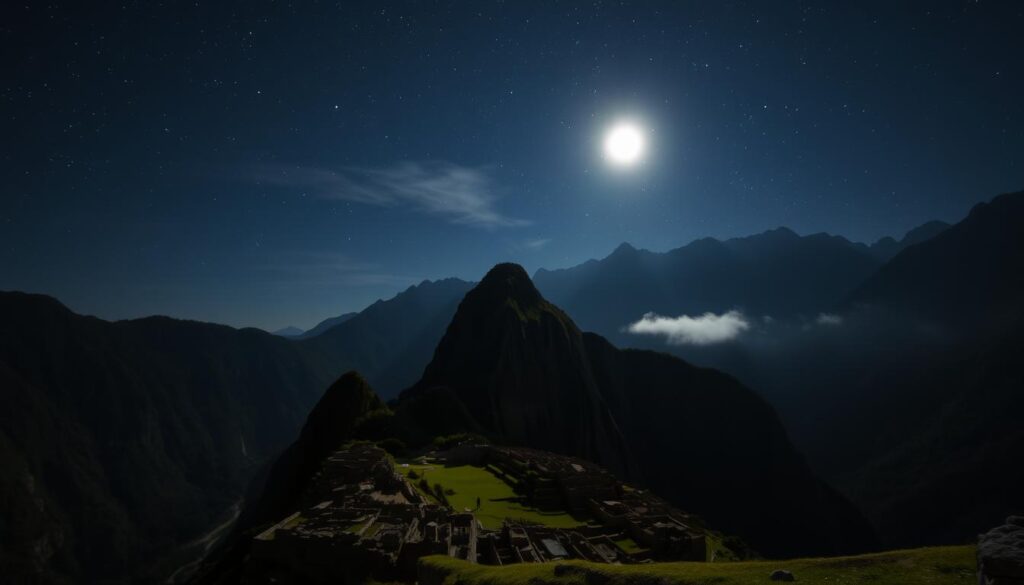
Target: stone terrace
x=360 y=515
x=360 y=518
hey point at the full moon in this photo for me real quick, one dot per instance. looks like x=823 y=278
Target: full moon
x=624 y=145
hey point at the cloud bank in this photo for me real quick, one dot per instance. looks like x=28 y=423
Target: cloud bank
x=705 y=329
x=462 y=195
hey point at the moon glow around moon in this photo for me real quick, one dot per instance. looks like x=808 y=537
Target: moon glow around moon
x=624 y=145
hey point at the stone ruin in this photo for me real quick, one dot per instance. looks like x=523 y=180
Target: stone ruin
x=360 y=518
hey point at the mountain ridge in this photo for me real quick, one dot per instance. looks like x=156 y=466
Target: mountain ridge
x=392 y=340
x=884 y=248
x=327 y=324
x=153 y=424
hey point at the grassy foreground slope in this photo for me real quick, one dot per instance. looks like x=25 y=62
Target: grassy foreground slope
x=953 y=565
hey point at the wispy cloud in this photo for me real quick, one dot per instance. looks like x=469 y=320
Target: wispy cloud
x=705 y=329
x=536 y=244
x=462 y=195
x=829 y=319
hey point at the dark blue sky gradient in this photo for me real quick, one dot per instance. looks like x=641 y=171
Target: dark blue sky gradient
x=171 y=159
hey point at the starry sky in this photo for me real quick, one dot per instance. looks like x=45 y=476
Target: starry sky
x=269 y=163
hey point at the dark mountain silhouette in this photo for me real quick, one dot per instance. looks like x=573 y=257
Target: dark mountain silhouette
x=326 y=324
x=515 y=367
x=332 y=422
x=347 y=407
x=910 y=405
x=968 y=277
x=391 y=341
x=137 y=436
x=943 y=457
x=887 y=247
x=776 y=273
x=121 y=440
x=702 y=439
x=945 y=424
x=290 y=331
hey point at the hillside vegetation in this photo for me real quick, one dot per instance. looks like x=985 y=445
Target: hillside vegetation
x=953 y=565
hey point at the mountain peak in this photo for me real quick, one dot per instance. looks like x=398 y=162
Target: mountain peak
x=508 y=281
x=505 y=270
x=776 y=236
x=780 y=233
x=289 y=331
x=517 y=366
x=623 y=249
x=334 y=417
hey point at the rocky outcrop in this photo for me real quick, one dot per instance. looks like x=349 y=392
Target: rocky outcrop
x=1001 y=554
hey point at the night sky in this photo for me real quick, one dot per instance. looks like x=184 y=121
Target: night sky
x=271 y=164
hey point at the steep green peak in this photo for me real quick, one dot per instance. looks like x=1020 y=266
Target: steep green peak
x=507 y=283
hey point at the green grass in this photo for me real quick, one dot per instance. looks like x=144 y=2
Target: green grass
x=495 y=495
x=953 y=565
x=372 y=530
x=628 y=545
x=716 y=549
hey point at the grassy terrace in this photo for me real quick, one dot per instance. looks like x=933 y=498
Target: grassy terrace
x=497 y=500
x=926 y=566
x=628 y=545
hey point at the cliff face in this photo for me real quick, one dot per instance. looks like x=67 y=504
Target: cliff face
x=518 y=365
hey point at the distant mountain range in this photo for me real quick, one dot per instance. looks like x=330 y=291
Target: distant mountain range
x=290 y=331
x=776 y=274
x=326 y=324
x=968 y=278
x=391 y=341
x=122 y=441
x=321 y=327
x=887 y=247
